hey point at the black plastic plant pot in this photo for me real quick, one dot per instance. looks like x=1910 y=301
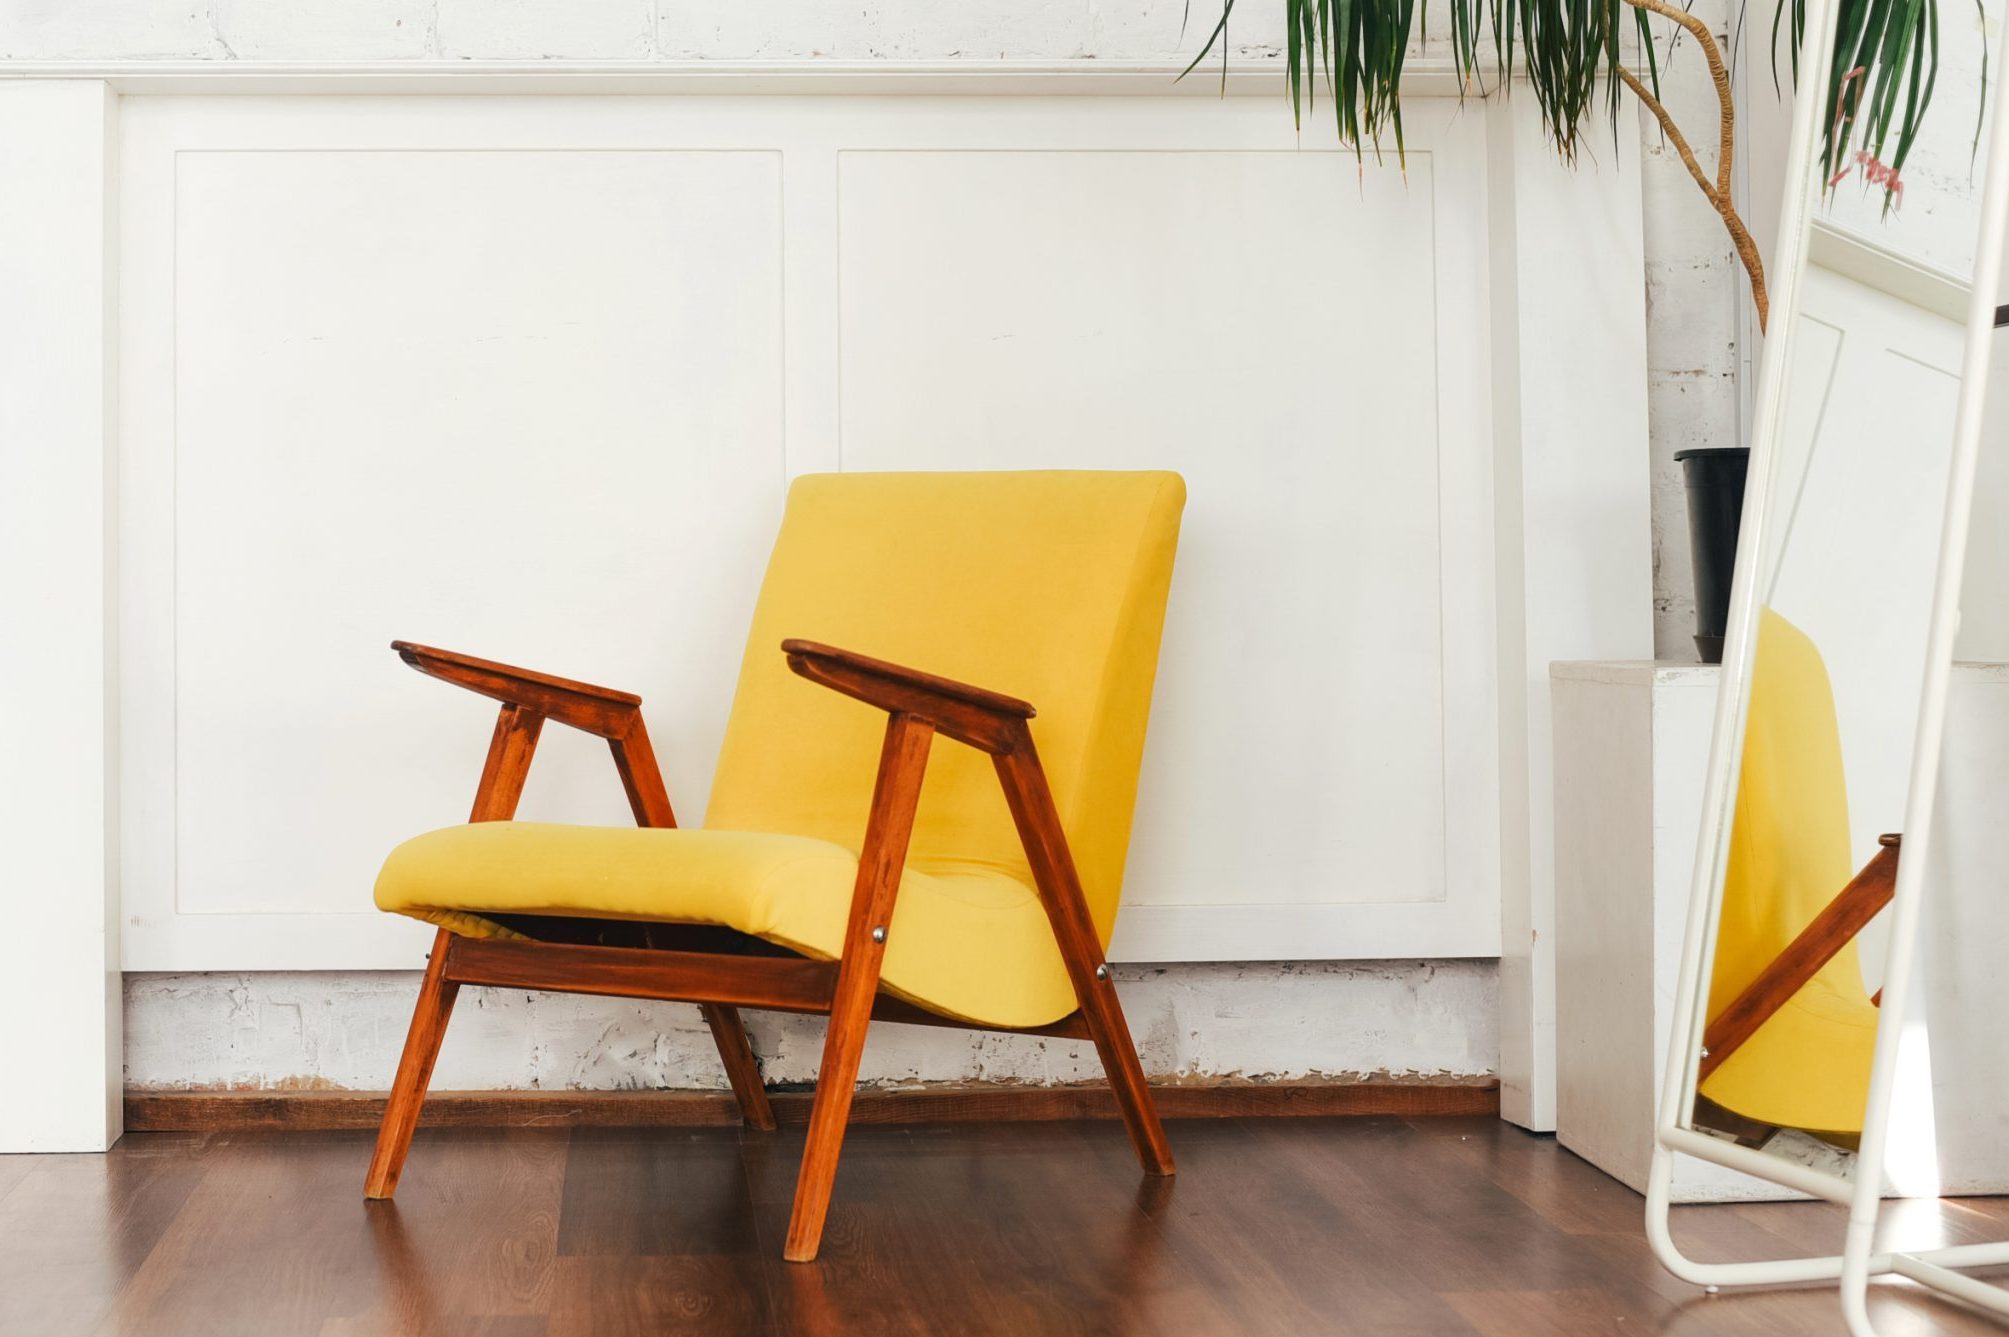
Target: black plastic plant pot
x=1715 y=482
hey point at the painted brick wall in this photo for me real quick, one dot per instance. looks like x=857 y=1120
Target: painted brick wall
x=1276 y=1020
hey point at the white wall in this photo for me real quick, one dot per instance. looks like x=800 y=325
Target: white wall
x=1689 y=280
x=1691 y=277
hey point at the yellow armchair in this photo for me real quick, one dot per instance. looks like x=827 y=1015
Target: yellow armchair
x=975 y=885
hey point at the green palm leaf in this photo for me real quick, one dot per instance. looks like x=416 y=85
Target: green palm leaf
x=1883 y=66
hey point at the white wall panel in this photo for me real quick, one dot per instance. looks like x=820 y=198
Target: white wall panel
x=522 y=402
x=526 y=377
x=1032 y=308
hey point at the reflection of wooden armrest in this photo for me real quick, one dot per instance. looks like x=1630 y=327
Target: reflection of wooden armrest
x=1868 y=892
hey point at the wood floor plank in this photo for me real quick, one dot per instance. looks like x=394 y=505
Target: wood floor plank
x=473 y=1231
x=74 y=1230
x=1381 y=1225
x=1569 y=1193
x=1296 y=1253
x=1585 y=1312
x=480 y=1325
x=13 y=1169
x=638 y=1296
x=636 y=1193
x=253 y=1249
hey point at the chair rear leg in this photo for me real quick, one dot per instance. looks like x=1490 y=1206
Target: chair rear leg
x=1053 y=871
x=1126 y=1075
x=408 y=1093
x=729 y=1034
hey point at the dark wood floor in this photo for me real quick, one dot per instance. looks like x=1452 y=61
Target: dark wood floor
x=1368 y=1225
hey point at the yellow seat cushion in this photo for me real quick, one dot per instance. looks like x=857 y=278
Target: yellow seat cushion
x=1808 y=1066
x=968 y=941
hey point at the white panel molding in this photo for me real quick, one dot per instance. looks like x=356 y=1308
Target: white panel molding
x=60 y=1002
x=200 y=924
x=1069 y=346
x=1139 y=78
x=1887 y=270
x=532 y=444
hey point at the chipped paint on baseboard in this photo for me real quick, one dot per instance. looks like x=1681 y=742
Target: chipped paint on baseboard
x=1266 y=1021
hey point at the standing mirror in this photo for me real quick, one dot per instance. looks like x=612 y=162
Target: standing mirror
x=1786 y=1048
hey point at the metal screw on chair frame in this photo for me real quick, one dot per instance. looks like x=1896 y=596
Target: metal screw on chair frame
x=879 y=933
x=1102 y=971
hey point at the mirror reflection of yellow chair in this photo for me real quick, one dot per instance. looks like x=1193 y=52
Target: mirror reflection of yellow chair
x=1792 y=1026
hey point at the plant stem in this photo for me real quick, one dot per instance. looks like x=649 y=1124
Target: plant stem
x=1718 y=191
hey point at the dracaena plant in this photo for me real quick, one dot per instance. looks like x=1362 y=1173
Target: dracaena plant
x=1570 y=52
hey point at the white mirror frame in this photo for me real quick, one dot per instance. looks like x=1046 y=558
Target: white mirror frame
x=1862 y=1195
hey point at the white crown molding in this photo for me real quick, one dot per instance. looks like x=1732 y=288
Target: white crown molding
x=1875 y=264
x=1094 y=78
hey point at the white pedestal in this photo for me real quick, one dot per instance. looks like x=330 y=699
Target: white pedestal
x=1631 y=746
x=1632 y=743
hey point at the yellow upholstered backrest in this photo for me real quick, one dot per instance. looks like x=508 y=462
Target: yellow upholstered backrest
x=1790 y=856
x=1789 y=846
x=1047 y=586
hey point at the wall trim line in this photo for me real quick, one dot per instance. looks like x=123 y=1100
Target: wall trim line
x=1248 y=76
x=307 y=1111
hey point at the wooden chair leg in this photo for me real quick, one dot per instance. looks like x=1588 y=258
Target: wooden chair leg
x=1053 y=871
x=836 y=1082
x=901 y=764
x=1126 y=1075
x=408 y=1093
x=729 y=1033
x=1745 y=1132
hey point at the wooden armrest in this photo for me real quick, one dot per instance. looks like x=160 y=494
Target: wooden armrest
x=1831 y=930
x=989 y=721
x=596 y=710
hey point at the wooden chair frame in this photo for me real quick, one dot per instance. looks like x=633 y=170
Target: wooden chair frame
x=1867 y=893
x=918 y=706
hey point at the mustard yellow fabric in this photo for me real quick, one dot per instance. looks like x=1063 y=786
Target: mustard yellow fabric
x=1048 y=586
x=1808 y=1066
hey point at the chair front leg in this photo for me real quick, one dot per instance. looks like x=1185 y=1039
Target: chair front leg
x=902 y=762
x=502 y=774
x=408 y=1092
